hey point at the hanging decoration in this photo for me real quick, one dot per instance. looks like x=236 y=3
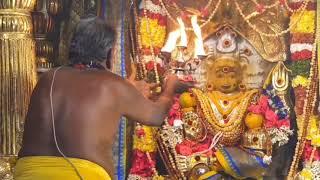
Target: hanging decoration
x=305 y=83
x=150 y=38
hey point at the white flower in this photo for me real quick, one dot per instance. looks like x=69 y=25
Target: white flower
x=267 y=159
x=297 y=47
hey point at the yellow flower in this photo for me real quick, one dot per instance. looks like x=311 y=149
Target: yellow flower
x=156 y=32
x=313 y=133
x=306 y=174
x=306 y=24
x=300 y=80
x=158 y=178
x=146 y=143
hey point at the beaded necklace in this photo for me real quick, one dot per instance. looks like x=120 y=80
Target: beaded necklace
x=201 y=25
x=234 y=128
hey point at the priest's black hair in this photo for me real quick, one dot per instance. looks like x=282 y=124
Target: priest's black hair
x=92 y=41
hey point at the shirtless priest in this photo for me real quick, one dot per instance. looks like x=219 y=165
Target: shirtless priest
x=74 y=111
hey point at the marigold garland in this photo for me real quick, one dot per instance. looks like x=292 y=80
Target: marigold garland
x=306 y=23
x=158 y=33
x=300 y=81
x=144 y=140
x=151 y=35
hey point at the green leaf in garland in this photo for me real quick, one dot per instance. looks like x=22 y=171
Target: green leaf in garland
x=301 y=68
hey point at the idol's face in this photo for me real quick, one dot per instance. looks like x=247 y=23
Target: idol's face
x=225 y=75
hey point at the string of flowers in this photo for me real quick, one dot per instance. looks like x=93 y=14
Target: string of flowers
x=276 y=115
x=151 y=34
x=302 y=64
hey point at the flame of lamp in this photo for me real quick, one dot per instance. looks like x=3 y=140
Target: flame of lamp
x=171 y=42
x=183 y=34
x=54 y=7
x=199 y=49
x=42 y=23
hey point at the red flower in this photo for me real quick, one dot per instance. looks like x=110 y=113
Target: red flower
x=283 y=123
x=301 y=55
x=141 y=165
x=307 y=152
x=150 y=66
x=140 y=132
x=260 y=8
x=204 y=12
x=184 y=149
x=162 y=21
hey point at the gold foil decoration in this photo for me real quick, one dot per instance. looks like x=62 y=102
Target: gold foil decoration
x=17 y=76
x=43 y=24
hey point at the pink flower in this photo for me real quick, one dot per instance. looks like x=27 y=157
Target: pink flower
x=176 y=106
x=271 y=124
x=263 y=102
x=271 y=116
x=256 y=109
x=170 y=121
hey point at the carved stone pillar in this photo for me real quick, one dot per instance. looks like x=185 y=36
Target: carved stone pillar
x=17 y=76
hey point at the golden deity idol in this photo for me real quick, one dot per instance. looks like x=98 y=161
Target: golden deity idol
x=228 y=124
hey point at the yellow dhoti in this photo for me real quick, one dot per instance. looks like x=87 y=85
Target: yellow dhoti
x=56 y=168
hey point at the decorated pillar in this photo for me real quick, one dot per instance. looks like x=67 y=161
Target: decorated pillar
x=17 y=77
x=43 y=24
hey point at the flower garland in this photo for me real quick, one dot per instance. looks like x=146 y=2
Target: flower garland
x=302 y=39
x=300 y=81
x=151 y=36
x=157 y=30
x=300 y=68
x=276 y=115
x=303 y=55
